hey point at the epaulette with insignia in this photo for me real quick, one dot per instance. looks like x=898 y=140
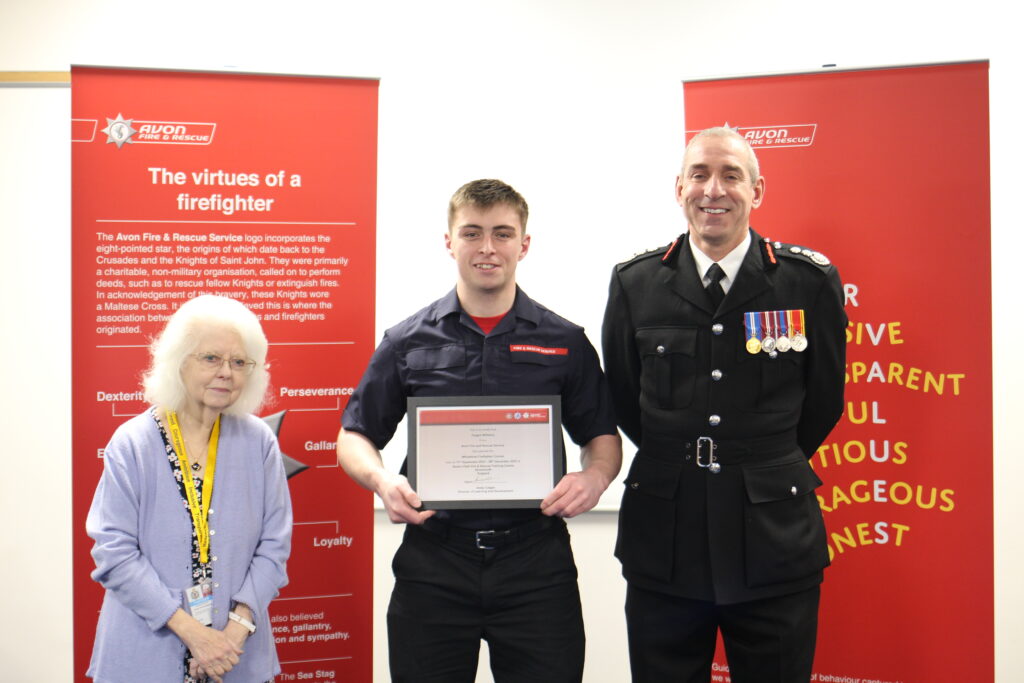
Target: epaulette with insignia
x=665 y=252
x=796 y=252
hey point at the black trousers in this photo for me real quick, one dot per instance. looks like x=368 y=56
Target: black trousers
x=766 y=641
x=521 y=597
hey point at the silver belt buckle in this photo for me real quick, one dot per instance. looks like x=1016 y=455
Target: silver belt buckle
x=706 y=446
x=480 y=543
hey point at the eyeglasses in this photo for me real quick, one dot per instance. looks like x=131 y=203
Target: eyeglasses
x=212 y=361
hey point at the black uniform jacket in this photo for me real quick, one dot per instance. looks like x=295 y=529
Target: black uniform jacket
x=680 y=371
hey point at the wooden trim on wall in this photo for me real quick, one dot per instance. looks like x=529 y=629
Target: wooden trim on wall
x=44 y=78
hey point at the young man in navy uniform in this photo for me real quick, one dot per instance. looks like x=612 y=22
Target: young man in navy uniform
x=725 y=353
x=517 y=590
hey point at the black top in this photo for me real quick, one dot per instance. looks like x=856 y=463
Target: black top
x=440 y=351
x=682 y=375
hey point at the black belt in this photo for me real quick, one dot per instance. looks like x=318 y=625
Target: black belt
x=486 y=539
x=711 y=454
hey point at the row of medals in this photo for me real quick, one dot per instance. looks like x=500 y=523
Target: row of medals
x=771 y=345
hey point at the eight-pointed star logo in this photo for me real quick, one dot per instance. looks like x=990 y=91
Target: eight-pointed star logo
x=119 y=130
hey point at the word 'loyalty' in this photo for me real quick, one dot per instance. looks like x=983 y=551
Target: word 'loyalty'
x=345 y=541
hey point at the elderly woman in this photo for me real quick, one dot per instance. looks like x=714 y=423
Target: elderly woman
x=192 y=518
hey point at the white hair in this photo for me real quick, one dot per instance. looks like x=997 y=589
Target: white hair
x=162 y=382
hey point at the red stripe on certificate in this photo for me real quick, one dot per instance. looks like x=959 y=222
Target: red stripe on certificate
x=545 y=350
x=484 y=416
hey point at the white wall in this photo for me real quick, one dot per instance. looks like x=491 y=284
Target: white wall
x=577 y=103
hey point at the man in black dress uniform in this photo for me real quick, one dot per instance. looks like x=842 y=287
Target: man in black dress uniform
x=725 y=353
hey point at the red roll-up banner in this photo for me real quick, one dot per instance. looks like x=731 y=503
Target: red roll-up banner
x=261 y=188
x=886 y=172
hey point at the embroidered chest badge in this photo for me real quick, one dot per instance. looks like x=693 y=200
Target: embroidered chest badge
x=543 y=350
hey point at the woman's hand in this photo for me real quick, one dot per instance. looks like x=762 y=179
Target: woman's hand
x=235 y=632
x=214 y=653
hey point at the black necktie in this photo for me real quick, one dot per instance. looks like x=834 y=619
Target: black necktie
x=714 y=288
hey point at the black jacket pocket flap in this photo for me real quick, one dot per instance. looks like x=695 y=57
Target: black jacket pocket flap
x=662 y=341
x=780 y=482
x=436 y=357
x=654 y=477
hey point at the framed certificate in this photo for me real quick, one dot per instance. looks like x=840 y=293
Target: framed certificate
x=484 y=451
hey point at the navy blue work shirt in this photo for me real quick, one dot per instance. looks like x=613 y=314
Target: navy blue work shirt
x=440 y=351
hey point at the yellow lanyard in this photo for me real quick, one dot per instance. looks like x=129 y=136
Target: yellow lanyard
x=200 y=514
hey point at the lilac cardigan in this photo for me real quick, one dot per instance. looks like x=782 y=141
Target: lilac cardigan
x=143 y=532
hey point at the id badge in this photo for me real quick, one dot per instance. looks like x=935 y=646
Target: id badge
x=200 y=602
